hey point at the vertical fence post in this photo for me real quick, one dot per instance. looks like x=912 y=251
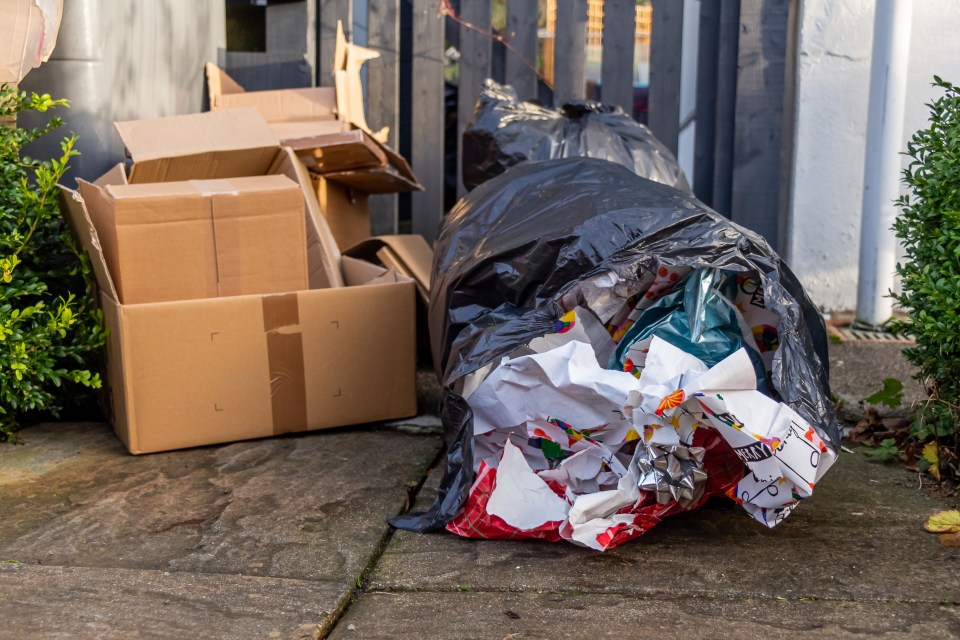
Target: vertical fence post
x=570 y=70
x=755 y=191
x=522 y=35
x=330 y=12
x=704 y=143
x=427 y=114
x=383 y=96
x=666 y=41
x=475 y=48
x=619 y=36
x=728 y=46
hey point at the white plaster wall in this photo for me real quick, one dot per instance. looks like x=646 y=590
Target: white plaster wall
x=832 y=91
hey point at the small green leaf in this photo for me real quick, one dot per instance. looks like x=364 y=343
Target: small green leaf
x=891 y=395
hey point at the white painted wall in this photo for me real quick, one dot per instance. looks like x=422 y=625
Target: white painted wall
x=833 y=83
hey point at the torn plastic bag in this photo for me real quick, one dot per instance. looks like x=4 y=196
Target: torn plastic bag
x=504 y=132
x=515 y=263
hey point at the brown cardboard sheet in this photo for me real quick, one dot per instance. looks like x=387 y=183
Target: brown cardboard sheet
x=356 y=159
x=229 y=143
x=408 y=254
x=346 y=210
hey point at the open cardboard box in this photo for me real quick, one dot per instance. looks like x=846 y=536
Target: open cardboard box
x=326 y=126
x=195 y=372
x=336 y=147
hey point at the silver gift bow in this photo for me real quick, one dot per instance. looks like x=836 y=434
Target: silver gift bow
x=675 y=472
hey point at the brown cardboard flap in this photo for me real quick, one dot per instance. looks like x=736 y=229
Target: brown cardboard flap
x=340 y=151
x=357 y=159
x=83 y=229
x=116 y=175
x=285 y=105
x=408 y=254
x=220 y=83
x=323 y=254
x=172 y=137
x=346 y=211
x=375 y=181
x=290 y=132
x=220 y=144
x=348 y=59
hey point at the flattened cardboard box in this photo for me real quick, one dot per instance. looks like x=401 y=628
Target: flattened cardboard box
x=196 y=372
x=202 y=238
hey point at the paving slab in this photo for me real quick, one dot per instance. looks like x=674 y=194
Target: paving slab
x=529 y=616
x=309 y=508
x=279 y=507
x=68 y=602
x=859 y=537
x=858 y=369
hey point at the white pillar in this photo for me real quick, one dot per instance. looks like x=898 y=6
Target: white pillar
x=881 y=183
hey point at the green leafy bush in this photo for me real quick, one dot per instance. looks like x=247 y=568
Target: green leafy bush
x=929 y=228
x=50 y=329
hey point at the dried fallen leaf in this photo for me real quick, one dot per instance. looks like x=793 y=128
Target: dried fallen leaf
x=944 y=522
x=930 y=455
x=950 y=539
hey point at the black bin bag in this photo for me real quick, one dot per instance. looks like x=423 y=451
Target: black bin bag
x=505 y=131
x=572 y=288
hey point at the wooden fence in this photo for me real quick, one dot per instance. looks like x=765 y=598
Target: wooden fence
x=743 y=79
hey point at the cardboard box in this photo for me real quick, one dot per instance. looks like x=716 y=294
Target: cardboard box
x=231 y=143
x=334 y=145
x=201 y=239
x=195 y=372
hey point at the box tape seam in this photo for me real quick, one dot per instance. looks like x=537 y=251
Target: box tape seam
x=288 y=387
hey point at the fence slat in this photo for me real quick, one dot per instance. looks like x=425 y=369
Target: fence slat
x=475 y=47
x=330 y=12
x=383 y=95
x=704 y=146
x=287 y=27
x=726 y=104
x=571 y=41
x=522 y=35
x=666 y=45
x=427 y=117
x=755 y=200
x=619 y=36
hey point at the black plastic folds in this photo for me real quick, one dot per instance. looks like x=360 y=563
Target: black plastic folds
x=505 y=132
x=516 y=245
